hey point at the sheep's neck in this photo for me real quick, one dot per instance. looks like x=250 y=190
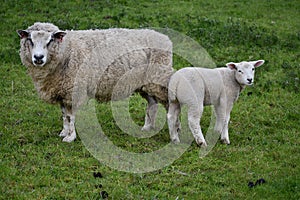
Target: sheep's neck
x=50 y=83
x=38 y=74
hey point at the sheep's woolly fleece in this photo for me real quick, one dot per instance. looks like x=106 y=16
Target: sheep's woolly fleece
x=68 y=67
x=98 y=59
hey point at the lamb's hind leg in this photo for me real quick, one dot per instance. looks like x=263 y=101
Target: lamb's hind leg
x=194 y=115
x=68 y=133
x=151 y=113
x=173 y=121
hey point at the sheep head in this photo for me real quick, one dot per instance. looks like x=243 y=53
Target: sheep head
x=37 y=45
x=244 y=71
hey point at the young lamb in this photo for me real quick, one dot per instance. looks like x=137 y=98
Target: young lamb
x=60 y=62
x=198 y=87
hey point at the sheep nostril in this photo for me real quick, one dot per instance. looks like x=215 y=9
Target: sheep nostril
x=39 y=57
x=249 y=80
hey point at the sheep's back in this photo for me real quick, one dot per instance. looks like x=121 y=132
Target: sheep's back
x=108 y=45
x=129 y=58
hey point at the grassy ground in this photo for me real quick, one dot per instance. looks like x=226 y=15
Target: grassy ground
x=35 y=164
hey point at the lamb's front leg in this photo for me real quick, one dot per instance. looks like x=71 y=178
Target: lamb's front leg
x=222 y=111
x=223 y=115
x=68 y=131
x=225 y=134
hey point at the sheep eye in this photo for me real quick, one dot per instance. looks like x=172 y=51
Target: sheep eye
x=51 y=40
x=253 y=69
x=240 y=71
x=30 y=41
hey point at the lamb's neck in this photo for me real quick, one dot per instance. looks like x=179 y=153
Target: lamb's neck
x=240 y=85
x=233 y=85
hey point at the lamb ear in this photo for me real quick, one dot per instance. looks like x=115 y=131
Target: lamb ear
x=58 y=35
x=23 y=33
x=231 y=66
x=258 y=63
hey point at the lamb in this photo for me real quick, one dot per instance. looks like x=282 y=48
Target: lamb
x=198 y=87
x=91 y=63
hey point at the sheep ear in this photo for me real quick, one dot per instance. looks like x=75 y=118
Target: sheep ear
x=258 y=63
x=58 y=35
x=23 y=33
x=231 y=66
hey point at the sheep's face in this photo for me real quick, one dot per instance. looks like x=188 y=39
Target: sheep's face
x=244 y=74
x=38 y=44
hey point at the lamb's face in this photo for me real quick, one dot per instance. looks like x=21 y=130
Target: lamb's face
x=244 y=74
x=38 y=44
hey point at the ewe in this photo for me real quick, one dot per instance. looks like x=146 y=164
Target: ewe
x=198 y=87
x=92 y=62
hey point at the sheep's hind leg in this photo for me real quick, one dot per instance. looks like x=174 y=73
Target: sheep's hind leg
x=194 y=115
x=151 y=112
x=173 y=121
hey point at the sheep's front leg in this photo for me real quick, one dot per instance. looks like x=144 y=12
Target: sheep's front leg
x=173 y=121
x=151 y=113
x=68 y=133
x=194 y=115
x=65 y=129
x=66 y=122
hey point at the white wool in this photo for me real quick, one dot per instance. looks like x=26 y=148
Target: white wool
x=197 y=87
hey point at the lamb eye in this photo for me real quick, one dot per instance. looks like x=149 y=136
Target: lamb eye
x=253 y=69
x=240 y=71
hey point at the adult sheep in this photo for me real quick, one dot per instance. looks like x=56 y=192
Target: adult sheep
x=197 y=87
x=91 y=62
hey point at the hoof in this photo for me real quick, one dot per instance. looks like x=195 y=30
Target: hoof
x=147 y=128
x=225 y=141
x=69 y=138
x=63 y=133
x=175 y=141
x=201 y=143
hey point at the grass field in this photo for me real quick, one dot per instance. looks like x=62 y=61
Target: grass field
x=265 y=122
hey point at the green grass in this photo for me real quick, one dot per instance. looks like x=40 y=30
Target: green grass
x=264 y=128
